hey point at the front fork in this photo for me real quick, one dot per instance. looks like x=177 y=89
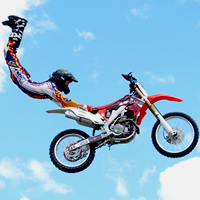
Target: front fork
x=163 y=122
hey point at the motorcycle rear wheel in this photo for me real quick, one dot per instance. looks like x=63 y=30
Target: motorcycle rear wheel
x=180 y=144
x=71 y=161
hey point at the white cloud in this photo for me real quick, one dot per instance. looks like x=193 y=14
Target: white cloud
x=141 y=12
x=2 y=78
x=9 y=170
x=39 y=170
x=115 y=173
x=76 y=49
x=35 y=3
x=3 y=40
x=121 y=188
x=141 y=198
x=181 y=181
x=2 y=184
x=156 y=79
x=146 y=174
x=40 y=173
x=40 y=25
x=95 y=75
x=24 y=198
x=86 y=35
x=46 y=25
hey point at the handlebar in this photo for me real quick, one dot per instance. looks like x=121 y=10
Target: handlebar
x=135 y=87
x=131 y=79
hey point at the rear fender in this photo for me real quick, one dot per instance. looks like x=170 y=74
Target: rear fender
x=153 y=99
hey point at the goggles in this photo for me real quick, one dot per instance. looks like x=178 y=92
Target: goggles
x=67 y=83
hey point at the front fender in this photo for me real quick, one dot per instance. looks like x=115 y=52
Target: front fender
x=153 y=99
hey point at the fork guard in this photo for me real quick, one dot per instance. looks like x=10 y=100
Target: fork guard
x=153 y=99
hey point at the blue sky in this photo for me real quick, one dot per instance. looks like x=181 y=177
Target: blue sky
x=97 y=41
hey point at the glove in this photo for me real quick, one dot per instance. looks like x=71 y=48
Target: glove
x=87 y=108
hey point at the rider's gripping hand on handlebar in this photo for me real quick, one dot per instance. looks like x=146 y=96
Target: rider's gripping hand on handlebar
x=50 y=89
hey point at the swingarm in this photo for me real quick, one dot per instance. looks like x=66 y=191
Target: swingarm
x=87 y=141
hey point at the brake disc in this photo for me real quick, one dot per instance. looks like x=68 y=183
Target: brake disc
x=72 y=155
x=176 y=138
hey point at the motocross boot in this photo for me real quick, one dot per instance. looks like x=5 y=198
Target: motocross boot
x=17 y=25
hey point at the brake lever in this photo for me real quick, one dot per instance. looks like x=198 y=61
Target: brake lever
x=129 y=77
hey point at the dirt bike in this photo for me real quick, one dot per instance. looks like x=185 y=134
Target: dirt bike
x=174 y=134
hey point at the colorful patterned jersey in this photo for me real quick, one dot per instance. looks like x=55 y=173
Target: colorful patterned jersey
x=38 y=90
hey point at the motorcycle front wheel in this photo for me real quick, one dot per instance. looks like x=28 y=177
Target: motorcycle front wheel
x=71 y=161
x=180 y=144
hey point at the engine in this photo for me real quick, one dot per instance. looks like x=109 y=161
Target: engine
x=123 y=126
x=120 y=129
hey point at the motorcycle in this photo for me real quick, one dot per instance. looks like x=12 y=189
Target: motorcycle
x=173 y=135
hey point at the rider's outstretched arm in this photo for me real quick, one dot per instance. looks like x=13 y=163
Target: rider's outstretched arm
x=65 y=102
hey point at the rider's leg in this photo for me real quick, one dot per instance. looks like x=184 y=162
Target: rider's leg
x=17 y=25
x=20 y=75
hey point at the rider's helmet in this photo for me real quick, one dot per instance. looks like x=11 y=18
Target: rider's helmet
x=62 y=78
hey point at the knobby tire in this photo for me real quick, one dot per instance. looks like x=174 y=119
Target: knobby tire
x=59 y=164
x=176 y=115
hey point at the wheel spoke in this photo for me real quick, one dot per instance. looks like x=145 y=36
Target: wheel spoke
x=62 y=151
x=182 y=142
x=71 y=160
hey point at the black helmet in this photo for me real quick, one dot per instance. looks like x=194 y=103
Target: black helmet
x=60 y=77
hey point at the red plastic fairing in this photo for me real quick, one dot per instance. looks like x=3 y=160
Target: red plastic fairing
x=153 y=99
x=103 y=109
x=102 y=113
